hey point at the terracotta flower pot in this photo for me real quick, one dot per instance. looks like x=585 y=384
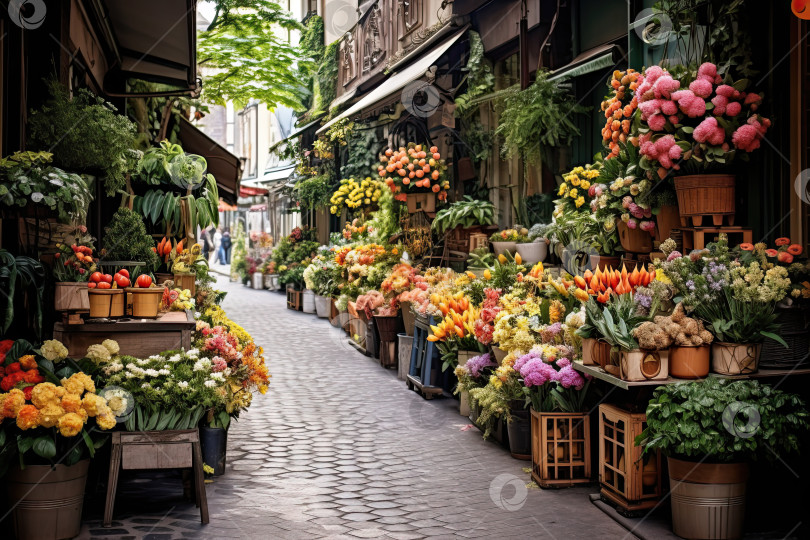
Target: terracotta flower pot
x=706 y=195
x=634 y=240
x=708 y=499
x=735 y=358
x=689 y=362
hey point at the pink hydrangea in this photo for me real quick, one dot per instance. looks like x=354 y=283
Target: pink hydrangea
x=707 y=69
x=674 y=152
x=709 y=131
x=665 y=85
x=752 y=98
x=745 y=138
x=701 y=88
x=649 y=108
x=656 y=122
x=669 y=107
x=690 y=104
x=734 y=108
x=720 y=103
x=725 y=91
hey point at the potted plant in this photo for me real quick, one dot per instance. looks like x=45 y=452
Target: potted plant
x=270 y=279
x=535 y=249
x=186 y=263
x=73 y=265
x=689 y=342
x=416 y=175
x=49 y=433
x=472 y=374
x=480 y=259
x=126 y=244
x=694 y=122
x=505 y=241
x=465 y=214
x=710 y=430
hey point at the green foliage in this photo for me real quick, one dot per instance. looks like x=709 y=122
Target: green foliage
x=732 y=320
x=723 y=421
x=239 y=252
x=385 y=221
x=26 y=178
x=22 y=280
x=148 y=112
x=467 y=212
x=363 y=145
x=314 y=192
x=125 y=239
x=537 y=119
x=247 y=56
x=480 y=80
x=85 y=134
x=481 y=258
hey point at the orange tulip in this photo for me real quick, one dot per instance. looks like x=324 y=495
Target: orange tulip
x=634 y=277
x=580 y=282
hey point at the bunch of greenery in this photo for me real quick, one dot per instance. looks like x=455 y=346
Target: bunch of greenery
x=720 y=420
x=467 y=212
x=480 y=79
x=22 y=280
x=361 y=157
x=537 y=119
x=313 y=192
x=26 y=177
x=239 y=253
x=85 y=134
x=125 y=239
x=481 y=257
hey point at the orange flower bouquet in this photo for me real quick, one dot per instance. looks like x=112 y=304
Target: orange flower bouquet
x=414 y=169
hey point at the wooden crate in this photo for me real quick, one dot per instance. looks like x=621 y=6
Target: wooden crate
x=698 y=237
x=478 y=240
x=294 y=300
x=629 y=479
x=561 y=449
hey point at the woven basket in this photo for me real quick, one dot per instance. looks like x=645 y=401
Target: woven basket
x=703 y=195
x=794 y=328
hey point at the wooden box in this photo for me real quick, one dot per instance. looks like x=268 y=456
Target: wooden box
x=478 y=240
x=640 y=365
x=421 y=202
x=139 y=338
x=71 y=296
x=294 y=300
x=629 y=479
x=561 y=449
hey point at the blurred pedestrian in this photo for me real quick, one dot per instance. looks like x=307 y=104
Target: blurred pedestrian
x=215 y=242
x=225 y=247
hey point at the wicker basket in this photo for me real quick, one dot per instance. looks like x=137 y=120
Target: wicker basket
x=794 y=328
x=704 y=195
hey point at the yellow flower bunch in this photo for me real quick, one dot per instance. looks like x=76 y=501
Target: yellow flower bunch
x=574 y=189
x=354 y=194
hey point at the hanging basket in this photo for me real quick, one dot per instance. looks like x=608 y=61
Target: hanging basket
x=106 y=303
x=634 y=240
x=706 y=195
x=145 y=302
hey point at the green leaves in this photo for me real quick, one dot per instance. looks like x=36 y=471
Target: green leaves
x=465 y=213
x=44 y=446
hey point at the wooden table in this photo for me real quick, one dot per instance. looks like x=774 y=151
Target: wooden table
x=136 y=337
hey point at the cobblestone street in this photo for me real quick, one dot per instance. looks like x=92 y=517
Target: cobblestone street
x=340 y=448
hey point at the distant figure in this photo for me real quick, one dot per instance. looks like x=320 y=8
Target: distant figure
x=217 y=238
x=225 y=247
x=206 y=242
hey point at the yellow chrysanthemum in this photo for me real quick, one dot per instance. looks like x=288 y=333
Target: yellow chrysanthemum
x=70 y=425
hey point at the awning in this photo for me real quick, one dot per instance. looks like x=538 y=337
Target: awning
x=249 y=191
x=226 y=167
x=258 y=208
x=153 y=40
x=399 y=80
x=225 y=207
x=271 y=176
x=595 y=59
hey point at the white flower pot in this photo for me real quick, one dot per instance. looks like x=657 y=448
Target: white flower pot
x=504 y=247
x=533 y=252
x=258 y=280
x=323 y=305
x=308 y=301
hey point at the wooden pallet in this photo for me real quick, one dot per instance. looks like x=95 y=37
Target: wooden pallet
x=425 y=362
x=696 y=237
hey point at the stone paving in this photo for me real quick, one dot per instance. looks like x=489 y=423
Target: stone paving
x=339 y=448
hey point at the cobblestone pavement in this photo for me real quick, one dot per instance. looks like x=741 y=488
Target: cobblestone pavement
x=339 y=448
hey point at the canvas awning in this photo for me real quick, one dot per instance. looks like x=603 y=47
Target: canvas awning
x=592 y=60
x=272 y=176
x=398 y=80
x=152 y=40
x=249 y=191
x=226 y=167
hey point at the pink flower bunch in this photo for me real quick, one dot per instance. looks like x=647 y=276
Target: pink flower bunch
x=748 y=135
x=218 y=364
x=221 y=343
x=664 y=150
x=709 y=131
x=535 y=371
x=485 y=324
x=369 y=302
x=656 y=95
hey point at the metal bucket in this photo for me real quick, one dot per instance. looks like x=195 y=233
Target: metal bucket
x=213 y=445
x=405 y=348
x=308 y=301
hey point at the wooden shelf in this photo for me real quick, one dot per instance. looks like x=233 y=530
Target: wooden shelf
x=601 y=374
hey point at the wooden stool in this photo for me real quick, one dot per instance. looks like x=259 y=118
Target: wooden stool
x=141 y=450
x=695 y=238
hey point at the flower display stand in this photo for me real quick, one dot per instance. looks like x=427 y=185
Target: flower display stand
x=143 y=450
x=706 y=195
x=696 y=238
x=294 y=300
x=424 y=372
x=629 y=480
x=561 y=449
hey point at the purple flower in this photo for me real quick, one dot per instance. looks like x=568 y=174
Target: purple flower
x=520 y=362
x=476 y=364
x=690 y=285
x=535 y=372
x=569 y=377
x=563 y=362
x=643 y=300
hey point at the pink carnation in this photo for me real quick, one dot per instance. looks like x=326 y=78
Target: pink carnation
x=701 y=88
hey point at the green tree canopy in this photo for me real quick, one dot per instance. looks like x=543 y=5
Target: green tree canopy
x=245 y=54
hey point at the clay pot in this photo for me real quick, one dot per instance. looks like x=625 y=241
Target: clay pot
x=634 y=240
x=689 y=362
x=504 y=247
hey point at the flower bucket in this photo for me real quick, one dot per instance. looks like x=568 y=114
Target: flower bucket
x=308 y=301
x=405 y=349
x=735 y=358
x=464 y=397
x=634 y=240
x=145 y=302
x=189 y=282
x=71 y=296
x=520 y=432
x=603 y=262
x=499 y=353
x=689 y=362
x=388 y=326
x=213 y=445
x=706 y=195
x=708 y=499
x=162 y=277
x=106 y=303
x=408 y=317
x=532 y=252
x=504 y=247
x=257 y=280
x=421 y=202
x=589 y=351
x=49 y=501
x=322 y=306
x=641 y=365
x=667 y=219
x=601 y=353
x=270 y=282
